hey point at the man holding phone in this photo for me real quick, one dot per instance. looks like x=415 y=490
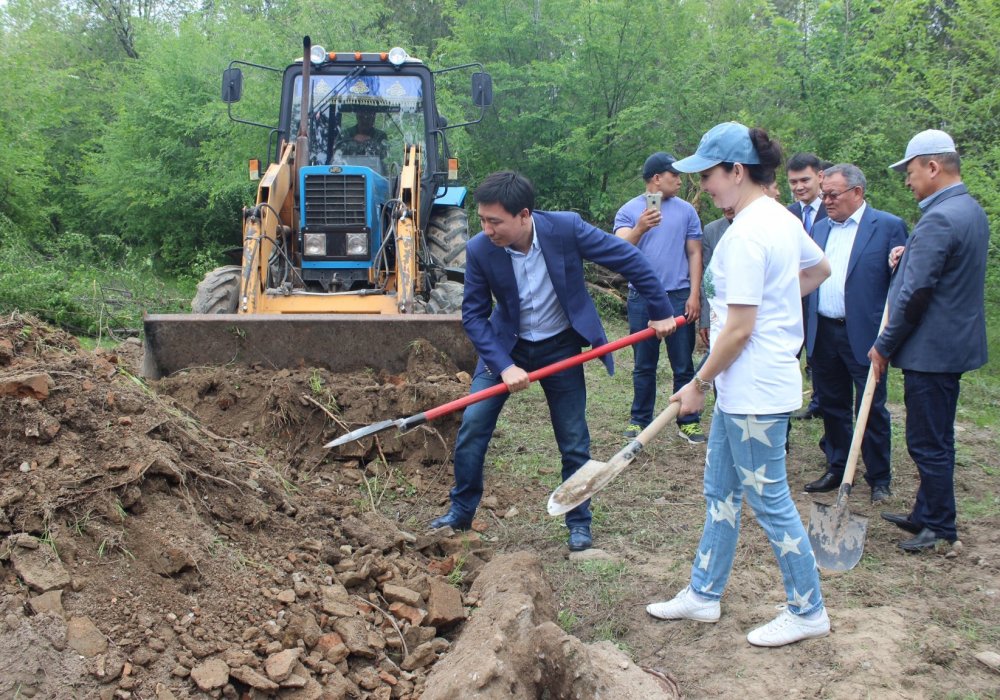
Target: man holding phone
x=668 y=232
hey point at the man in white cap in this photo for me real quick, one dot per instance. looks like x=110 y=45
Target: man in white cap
x=937 y=326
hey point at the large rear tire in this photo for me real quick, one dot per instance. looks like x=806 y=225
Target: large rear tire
x=446 y=298
x=447 y=234
x=219 y=292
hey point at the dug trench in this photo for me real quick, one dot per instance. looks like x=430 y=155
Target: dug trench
x=192 y=538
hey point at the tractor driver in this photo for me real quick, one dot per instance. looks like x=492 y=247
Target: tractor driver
x=363 y=139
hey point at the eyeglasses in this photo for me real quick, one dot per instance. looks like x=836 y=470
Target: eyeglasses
x=834 y=195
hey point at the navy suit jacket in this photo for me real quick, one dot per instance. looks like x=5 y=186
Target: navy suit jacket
x=796 y=208
x=566 y=241
x=868 y=277
x=937 y=321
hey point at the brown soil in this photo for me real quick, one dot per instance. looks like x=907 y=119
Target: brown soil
x=195 y=539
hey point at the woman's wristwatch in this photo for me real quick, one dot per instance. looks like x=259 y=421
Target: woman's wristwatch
x=703 y=386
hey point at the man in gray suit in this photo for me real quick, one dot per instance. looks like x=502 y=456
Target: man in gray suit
x=937 y=326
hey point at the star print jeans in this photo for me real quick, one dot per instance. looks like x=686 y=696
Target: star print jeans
x=746 y=458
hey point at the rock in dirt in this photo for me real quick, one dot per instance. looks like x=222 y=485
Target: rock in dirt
x=245 y=674
x=49 y=602
x=36 y=386
x=511 y=650
x=84 y=637
x=399 y=594
x=354 y=632
x=444 y=605
x=279 y=666
x=39 y=567
x=212 y=674
x=990 y=659
x=593 y=554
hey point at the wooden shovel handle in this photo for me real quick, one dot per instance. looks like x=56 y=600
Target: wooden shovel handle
x=863 y=411
x=659 y=423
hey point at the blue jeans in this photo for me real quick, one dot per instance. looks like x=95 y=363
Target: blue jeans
x=680 y=348
x=931 y=401
x=566 y=395
x=746 y=456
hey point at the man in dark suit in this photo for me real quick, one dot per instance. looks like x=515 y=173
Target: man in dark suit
x=805 y=178
x=843 y=321
x=531 y=263
x=937 y=326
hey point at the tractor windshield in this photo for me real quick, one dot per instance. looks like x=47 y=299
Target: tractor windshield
x=365 y=120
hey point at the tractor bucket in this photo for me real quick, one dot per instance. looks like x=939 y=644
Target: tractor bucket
x=338 y=342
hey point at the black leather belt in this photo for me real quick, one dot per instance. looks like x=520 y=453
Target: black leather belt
x=838 y=321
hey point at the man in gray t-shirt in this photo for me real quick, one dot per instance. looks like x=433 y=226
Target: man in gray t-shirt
x=670 y=238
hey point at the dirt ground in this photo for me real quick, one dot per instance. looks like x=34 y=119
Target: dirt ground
x=193 y=539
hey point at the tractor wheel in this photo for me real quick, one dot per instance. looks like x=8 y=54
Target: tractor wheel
x=446 y=298
x=447 y=234
x=219 y=292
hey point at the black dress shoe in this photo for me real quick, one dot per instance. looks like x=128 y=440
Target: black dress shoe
x=827 y=482
x=925 y=539
x=579 y=538
x=880 y=493
x=450 y=519
x=902 y=522
x=807 y=414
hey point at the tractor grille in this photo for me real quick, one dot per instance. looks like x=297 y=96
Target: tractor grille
x=335 y=200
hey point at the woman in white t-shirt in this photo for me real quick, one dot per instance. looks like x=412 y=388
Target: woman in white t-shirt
x=759 y=273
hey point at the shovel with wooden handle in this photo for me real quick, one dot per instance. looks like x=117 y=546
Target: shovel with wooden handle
x=594 y=476
x=837 y=536
x=404 y=424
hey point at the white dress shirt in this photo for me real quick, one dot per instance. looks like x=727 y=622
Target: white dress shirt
x=839 y=244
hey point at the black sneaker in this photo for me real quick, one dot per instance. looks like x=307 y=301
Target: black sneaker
x=692 y=432
x=632 y=431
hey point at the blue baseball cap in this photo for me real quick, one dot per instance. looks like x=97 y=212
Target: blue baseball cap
x=728 y=142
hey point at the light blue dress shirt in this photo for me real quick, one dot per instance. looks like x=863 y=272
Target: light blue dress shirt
x=927 y=201
x=542 y=315
x=839 y=244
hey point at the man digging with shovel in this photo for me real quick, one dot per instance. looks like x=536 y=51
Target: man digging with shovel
x=531 y=263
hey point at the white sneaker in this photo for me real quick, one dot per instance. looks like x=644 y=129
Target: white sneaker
x=686 y=605
x=789 y=627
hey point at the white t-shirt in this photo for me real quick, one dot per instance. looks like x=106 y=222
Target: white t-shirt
x=757 y=263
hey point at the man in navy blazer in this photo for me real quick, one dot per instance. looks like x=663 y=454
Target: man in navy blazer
x=937 y=326
x=531 y=263
x=843 y=321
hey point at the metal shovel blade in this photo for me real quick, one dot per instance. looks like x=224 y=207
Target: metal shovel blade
x=837 y=535
x=361 y=432
x=594 y=476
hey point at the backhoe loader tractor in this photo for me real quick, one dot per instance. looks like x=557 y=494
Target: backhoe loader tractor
x=355 y=246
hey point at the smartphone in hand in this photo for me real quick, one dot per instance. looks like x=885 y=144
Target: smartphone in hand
x=653 y=200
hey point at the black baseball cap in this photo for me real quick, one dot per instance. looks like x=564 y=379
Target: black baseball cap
x=657 y=163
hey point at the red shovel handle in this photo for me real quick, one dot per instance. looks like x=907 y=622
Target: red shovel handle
x=544 y=372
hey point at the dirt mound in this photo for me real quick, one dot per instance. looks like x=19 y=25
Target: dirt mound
x=512 y=650
x=198 y=539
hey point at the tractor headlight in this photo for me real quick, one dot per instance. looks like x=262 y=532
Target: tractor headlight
x=317 y=54
x=357 y=244
x=397 y=56
x=314 y=243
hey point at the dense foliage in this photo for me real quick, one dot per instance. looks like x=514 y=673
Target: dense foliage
x=115 y=148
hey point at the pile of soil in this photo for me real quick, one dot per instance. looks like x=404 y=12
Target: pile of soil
x=197 y=539
x=194 y=539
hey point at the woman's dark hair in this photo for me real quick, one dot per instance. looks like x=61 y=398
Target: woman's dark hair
x=769 y=152
x=513 y=191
